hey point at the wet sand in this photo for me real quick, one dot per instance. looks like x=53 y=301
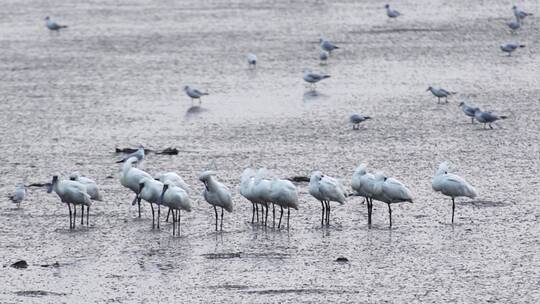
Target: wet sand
x=114 y=78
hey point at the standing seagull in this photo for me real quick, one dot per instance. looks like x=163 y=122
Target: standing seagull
x=284 y=194
x=327 y=46
x=18 y=195
x=91 y=189
x=139 y=154
x=487 y=117
x=176 y=199
x=326 y=189
x=440 y=93
x=468 y=110
x=356 y=119
x=323 y=56
x=313 y=78
x=70 y=192
x=216 y=194
x=520 y=15
x=514 y=25
x=451 y=185
x=194 y=93
x=391 y=191
x=53 y=26
x=252 y=60
x=390 y=12
x=509 y=48
x=130 y=178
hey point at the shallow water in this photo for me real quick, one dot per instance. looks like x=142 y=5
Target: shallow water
x=114 y=79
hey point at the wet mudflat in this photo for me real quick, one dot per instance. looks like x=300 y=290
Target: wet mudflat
x=114 y=78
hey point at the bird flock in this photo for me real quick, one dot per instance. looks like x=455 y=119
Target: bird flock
x=260 y=187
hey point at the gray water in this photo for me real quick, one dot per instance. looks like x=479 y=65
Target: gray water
x=114 y=78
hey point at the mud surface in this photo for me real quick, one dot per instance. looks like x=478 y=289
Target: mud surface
x=114 y=78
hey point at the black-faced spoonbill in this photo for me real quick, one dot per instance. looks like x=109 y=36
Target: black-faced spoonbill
x=326 y=189
x=176 y=180
x=451 y=185
x=70 y=192
x=150 y=191
x=176 y=199
x=362 y=184
x=284 y=194
x=391 y=191
x=247 y=182
x=216 y=194
x=130 y=178
x=91 y=189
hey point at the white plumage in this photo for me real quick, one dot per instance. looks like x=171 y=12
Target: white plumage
x=216 y=194
x=131 y=176
x=326 y=189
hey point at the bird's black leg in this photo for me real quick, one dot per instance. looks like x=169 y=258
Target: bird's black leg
x=327 y=213
x=153 y=219
x=490 y=126
x=253 y=213
x=390 y=215
x=221 y=225
x=215 y=210
x=266 y=216
x=323 y=213
x=70 y=225
x=281 y=216
x=139 y=204
x=82 y=215
x=257 y=211
x=453 y=209
x=178 y=220
x=74 y=215
x=168 y=213
x=368 y=212
x=174 y=223
x=87 y=214
x=158 y=214
x=288 y=216
x=273 y=215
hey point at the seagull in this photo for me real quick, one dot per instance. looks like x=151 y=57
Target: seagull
x=514 y=25
x=511 y=47
x=150 y=190
x=356 y=119
x=176 y=199
x=91 y=189
x=139 y=154
x=391 y=13
x=18 y=195
x=216 y=194
x=323 y=56
x=486 y=117
x=520 y=15
x=451 y=185
x=440 y=93
x=362 y=182
x=327 y=46
x=247 y=182
x=70 y=192
x=468 y=110
x=391 y=191
x=130 y=178
x=284 y=194
x=326 y=189
x=252 y=60
x=194 y=93
x=313 y=78
x=53 y=26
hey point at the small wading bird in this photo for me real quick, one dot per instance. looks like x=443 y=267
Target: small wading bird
x=18 y=196
x=176 y=199
x=139 y=155
x=70 y=192
x=440 y=93
x=391 y=13
x=313 y=78
x=91 y=189
x=252 y=60
x=216 y=194
x=130 y=178
x=451 y=185
x=356 y=119
x=390 y=191
x=326 y=189
x=194 y=93
x=514 y=25
x=509 y=48
x=487 y=117
x=53 y=26
x=323 y=56
x=327 y=46
x=468 y=110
